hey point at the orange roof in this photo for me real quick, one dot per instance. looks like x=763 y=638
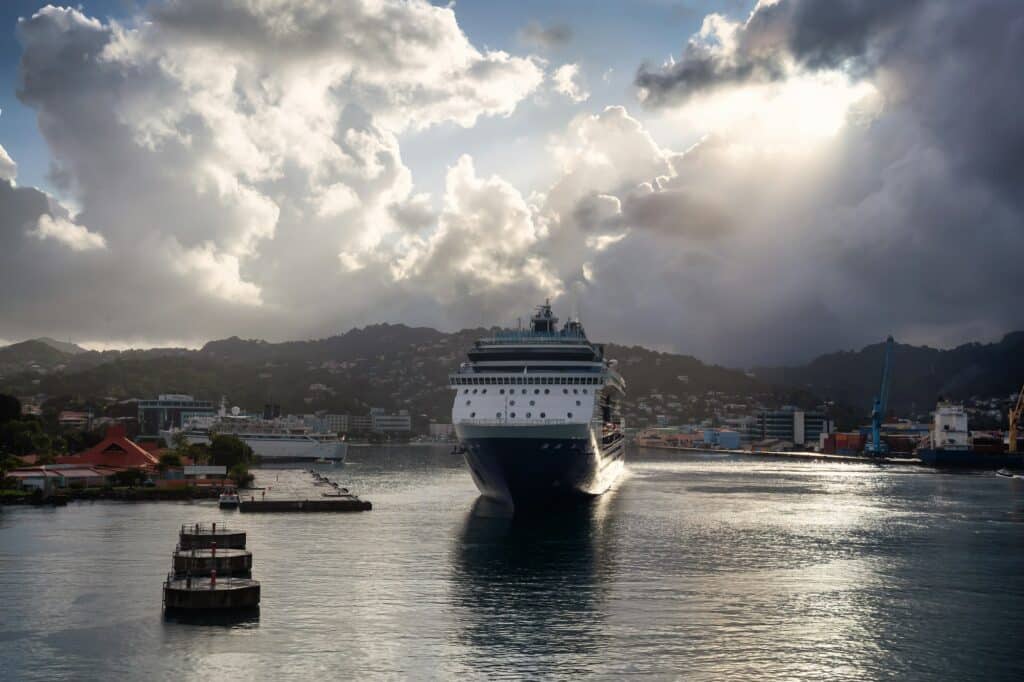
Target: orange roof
x=115 y=451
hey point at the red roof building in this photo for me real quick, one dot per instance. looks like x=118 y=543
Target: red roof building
x=114 y=451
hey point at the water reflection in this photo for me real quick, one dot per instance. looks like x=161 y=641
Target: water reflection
x=239 y=618
x=533 y=586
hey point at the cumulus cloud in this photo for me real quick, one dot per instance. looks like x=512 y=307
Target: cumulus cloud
x=222 y=152
x=8 y=169
x=75 y=237
x=242 y=163
x=780 y=37
x=568 y=81
x=538 y=35
x=484 y=247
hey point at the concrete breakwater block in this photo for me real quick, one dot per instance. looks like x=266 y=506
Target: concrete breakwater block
x=202 y=594
x=200 y=562
x=348 y=504
x=203 y=536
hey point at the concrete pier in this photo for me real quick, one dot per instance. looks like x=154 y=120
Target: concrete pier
x=210 y=572
x=202 y=594
x=201 y=562
x=344 y=504
x=203 y=536
x=298 y=490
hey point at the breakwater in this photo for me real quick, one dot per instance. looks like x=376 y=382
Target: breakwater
x=806 y=456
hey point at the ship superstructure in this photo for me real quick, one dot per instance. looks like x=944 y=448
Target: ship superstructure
x=537 y=412
x=950 y=443
x=271 y=439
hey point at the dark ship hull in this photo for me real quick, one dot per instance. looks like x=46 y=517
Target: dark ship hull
x=969 y=459
x=526 y=470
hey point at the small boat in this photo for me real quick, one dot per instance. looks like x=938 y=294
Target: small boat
x=229 y=499
x=1005 y=473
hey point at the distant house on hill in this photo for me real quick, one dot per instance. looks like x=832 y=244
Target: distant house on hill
x=114 y=451
x=74 y=419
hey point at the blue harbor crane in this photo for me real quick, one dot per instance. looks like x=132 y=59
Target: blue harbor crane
x=881 y=405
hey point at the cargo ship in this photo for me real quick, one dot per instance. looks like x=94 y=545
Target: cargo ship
x=950 y=444
x=537 y=413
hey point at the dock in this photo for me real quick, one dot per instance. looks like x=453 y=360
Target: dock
x=353 y=504
x=193 y=585
x=210 y=594
x=207 y=535
x=293 y=490
x=203 y=562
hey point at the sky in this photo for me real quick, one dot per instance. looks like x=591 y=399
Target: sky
x=748 y=182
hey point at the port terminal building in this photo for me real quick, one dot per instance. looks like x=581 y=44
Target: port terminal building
x=171 y=410
x=793 y=425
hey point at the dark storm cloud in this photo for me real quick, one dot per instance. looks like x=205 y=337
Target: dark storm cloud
x=682 y=212
x=854 y=34
x=538 y=35
x=915 y=221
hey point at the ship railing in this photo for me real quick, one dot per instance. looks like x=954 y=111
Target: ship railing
x=206 y=529
x=534 y=337
x=540 y=378
x=519 y=421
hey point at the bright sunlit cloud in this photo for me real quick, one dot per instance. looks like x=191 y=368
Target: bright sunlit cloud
x=797 y=113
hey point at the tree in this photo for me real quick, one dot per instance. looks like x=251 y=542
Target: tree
x=10 y=408
x=77 y=441
x=227 y=450
x=129 y=477
x=179 y=442
x=240 y=475
x=199 y=453
x=169 y=460
x=8 y=462
x=24 y=437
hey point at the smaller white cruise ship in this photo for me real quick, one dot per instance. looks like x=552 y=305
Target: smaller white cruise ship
x=271 y=439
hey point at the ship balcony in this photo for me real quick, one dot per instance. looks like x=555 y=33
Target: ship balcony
x=515 y=421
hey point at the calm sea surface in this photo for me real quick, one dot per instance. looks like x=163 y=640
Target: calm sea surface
x=694 y=566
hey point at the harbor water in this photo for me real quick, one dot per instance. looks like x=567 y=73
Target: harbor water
x=695 y=566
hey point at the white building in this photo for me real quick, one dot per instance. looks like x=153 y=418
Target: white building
x=390 y=423
x=442 y=431
x=334 y=423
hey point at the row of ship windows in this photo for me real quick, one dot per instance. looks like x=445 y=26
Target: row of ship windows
x=536 y=391
x=512 y=402
x=529 y=415
x=491 y=381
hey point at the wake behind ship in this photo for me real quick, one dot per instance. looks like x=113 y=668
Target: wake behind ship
x=537 y=413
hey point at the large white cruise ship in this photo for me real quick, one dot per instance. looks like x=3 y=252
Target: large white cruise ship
x=537 y=413
x=271 y=439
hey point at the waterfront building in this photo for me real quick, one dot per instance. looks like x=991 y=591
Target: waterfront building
x=360 y=422
x=71 y=419
x=441 y=431
x=335 y=423
x=116 y=451
x=50 y=476
x=392 y=423
x=747 y=426
x=725 y=439
x=791 y=424
x=171 y=410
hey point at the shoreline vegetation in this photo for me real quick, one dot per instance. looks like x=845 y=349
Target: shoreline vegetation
x=122 y=494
